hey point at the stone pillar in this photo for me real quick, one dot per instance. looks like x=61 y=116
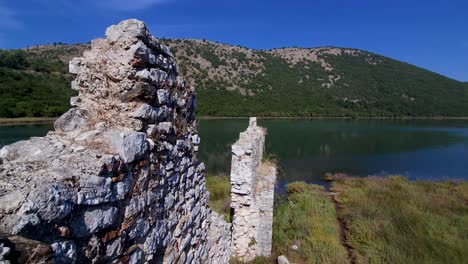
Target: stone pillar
x=252 y=195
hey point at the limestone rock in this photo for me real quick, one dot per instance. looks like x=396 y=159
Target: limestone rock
x=252 y=195
x=74 y=67
x=73 y=119
x=50 y=202
x=119 y=179
x=127 y=29
x=283 y=260
x=129 y=145
x=93 y=220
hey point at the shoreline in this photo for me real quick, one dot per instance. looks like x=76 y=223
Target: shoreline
x=339 y=117
x=45 y=120
x=26 y=121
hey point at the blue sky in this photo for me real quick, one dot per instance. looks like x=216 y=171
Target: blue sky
x=429 y=33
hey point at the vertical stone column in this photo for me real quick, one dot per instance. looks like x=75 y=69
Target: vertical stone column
x=252 y=194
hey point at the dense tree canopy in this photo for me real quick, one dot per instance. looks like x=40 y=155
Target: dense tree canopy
x=235 y=81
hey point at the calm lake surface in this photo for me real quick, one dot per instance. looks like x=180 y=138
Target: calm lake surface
x=307 y=149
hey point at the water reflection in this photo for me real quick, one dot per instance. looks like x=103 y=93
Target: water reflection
x=309 y=148
x=10 y=134
x=306 y=149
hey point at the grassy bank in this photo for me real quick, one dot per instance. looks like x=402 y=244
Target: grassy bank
x=375 y=220
x=393 y=220
x=307 y=219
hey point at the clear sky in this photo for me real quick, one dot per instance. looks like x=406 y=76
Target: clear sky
x=429 y=33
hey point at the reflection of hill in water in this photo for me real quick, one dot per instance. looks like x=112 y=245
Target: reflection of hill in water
x=315 y=146
x=308 y=148
x=10 y=134
x=297 y=138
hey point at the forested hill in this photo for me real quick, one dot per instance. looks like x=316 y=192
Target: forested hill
x=236 y=81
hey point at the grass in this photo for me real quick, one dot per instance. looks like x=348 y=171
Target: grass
x=307 y=218
x=220 y=195
x=393 y=220
x=387 y=220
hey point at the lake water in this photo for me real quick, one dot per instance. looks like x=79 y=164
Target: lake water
x=307 y=149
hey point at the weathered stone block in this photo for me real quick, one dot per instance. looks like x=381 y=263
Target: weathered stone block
x=73 y=119
x=93 y=220
x=129 y=145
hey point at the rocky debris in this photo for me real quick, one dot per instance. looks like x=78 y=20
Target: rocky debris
x=118 y=180
x=283 y=260
x=252 y=191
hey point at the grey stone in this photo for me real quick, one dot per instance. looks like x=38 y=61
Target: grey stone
x=165 y=127
x=64 y=252
x=163 y=96
x=144 y=53
x=163 y=113
x=252 y=195
x=93 y=220
x=94 y=190
x=75 y=101
x=73 y=119
x=39 y=149
x=164 y=63
x=195 y=139
x=26 y=220
x=11 y=202
x=4 y=254
x=129 y=145
x=141 y=90
x=283 y=260
x=136 y=257
x=130 y=28
x=75 y=66
x=50 y=202
x=145 y=111
x=143 y=75
x=157 y=77
x=114 y=249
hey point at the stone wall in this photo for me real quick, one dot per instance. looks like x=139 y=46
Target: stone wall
x=252 y=194
x=118 y=181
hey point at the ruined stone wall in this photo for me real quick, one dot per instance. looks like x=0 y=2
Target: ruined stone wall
x=252 y=194
x=118 y=181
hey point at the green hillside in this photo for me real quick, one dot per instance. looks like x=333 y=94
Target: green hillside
x=33 y=85
x=236 y=81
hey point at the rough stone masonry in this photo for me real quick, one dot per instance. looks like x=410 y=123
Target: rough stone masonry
x=118 y=181
x=252 y=195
